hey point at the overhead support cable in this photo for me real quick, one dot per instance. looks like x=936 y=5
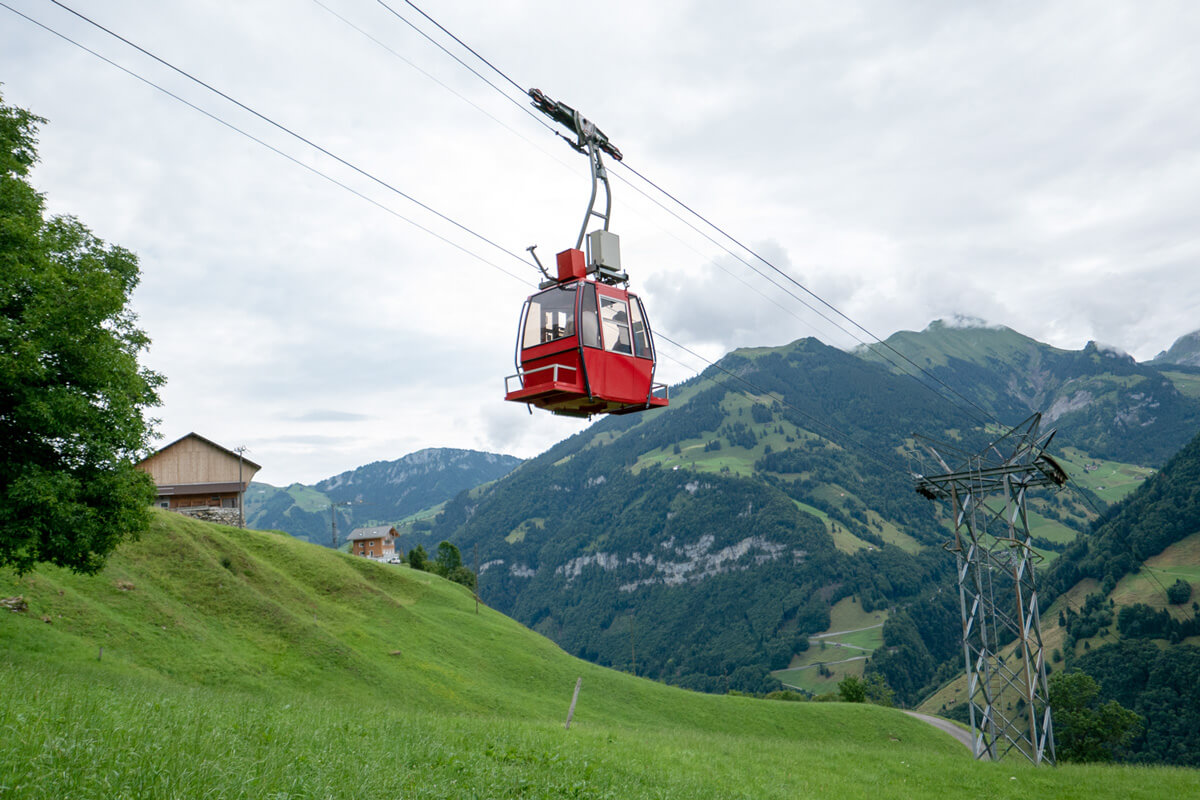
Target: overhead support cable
x=985 y=414
x=521 y=105
x=263 y=143
x=344 y=162
x=816 y=421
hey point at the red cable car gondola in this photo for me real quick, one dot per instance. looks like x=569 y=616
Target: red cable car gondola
x=584 y=345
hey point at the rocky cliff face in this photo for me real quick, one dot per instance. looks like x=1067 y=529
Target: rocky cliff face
x=1185 y=352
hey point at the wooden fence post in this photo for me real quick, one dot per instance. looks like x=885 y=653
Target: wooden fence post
x=571 y=711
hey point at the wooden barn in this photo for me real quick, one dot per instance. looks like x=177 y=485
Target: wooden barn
x=194 y=473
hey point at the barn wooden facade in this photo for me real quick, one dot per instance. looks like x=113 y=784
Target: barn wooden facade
x=194 y=473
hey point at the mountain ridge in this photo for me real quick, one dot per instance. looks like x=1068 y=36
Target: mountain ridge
x=380 y=492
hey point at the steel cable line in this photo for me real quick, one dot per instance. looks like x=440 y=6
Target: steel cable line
x=461 y=42
x=263 y=143
x=433 y=78
x=293 y=134
x=749 y=265
x=986 y=416
x=836 y=433
x=466 y=66
x=621 y=178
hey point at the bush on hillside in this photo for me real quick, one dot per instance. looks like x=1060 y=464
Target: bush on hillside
x=1179 y=592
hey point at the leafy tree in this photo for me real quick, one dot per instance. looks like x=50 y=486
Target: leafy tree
x=1179 y=592
x=877 y=691
x=1085 y=729
x=447 y=559
x=418 y=558
x=851 y=689
x=72 y=394
x=464 y=576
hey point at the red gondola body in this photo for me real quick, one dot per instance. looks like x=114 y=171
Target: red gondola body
x=584 y=347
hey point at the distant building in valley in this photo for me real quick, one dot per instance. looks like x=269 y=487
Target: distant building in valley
x=199 y=477
x=378 y=542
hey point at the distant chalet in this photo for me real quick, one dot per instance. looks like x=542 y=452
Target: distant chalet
x=378 y=542
x=198 y=477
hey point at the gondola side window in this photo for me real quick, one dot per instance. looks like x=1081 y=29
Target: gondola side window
x=614 y=321
x=551 y=316
x=589 y=320
x=641 y=336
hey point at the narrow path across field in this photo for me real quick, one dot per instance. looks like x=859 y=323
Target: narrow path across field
x=947 y=726
x=827 y=634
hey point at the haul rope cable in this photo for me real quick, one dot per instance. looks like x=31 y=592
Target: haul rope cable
x=624 y=180
x=761 y=392
x=265 y=144
x=288 y=131
x=985 y=414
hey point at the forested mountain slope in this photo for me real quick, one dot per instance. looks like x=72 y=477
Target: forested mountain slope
x=705 y=543
x=1120 y=604
x=378 y=493
x=1099 y=398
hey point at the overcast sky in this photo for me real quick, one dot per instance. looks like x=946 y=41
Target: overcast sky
x=1032 y=164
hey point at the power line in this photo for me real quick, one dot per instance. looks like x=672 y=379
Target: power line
x=442 y=216
x=292 y=133
x=263 y=143
x=464 y=64
x=986 y=415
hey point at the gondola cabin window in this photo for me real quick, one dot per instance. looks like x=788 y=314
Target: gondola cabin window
x=641 y=342
x=614 y=321
x=551 y=316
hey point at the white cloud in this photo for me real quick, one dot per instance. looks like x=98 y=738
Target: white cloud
x=1034 y=165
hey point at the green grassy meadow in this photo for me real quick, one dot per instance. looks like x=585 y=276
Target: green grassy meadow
x=1186 y=382
x=1110 y=480
x=852 y=636
x=241 y=664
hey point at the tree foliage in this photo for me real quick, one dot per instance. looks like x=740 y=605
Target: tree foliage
x=1084 y=728
x=851 y=689
x=1179 y=592
x=72 y=394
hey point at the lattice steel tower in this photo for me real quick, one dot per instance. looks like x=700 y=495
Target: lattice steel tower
x=1002 y=633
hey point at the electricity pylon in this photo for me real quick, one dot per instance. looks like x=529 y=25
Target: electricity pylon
x=1007 y=695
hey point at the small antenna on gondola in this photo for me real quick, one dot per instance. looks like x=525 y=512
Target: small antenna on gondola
x=538 y=261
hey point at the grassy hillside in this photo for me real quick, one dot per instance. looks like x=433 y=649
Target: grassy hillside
x=246 y=664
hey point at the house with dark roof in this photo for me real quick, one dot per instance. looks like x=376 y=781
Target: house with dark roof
x=378 y=542
x=197 y=476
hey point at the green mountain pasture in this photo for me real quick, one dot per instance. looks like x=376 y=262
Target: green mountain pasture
x=247 y=664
